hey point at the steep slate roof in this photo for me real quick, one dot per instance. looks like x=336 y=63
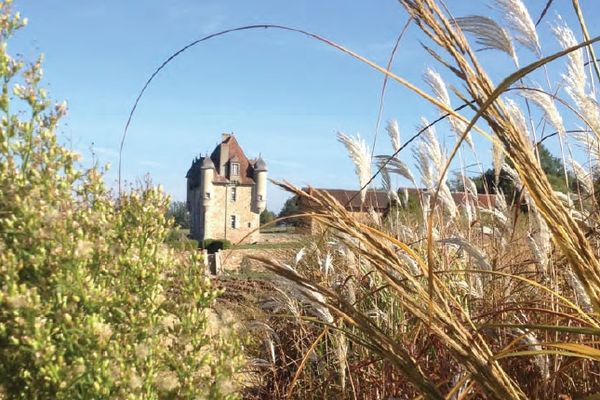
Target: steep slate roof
x=236 y=154
x=233 y=152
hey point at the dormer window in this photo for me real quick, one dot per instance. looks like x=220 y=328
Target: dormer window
x=235 y=169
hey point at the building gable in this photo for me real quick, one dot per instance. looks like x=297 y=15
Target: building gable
x=227 y=152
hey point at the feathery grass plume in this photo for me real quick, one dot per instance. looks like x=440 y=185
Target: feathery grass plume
x=395 y=166
x=361 y=157
x=405 y=197
x=591 y=146
x=540 y=235
x=430 y=163
x=500 y=203
x=513 y=176
x=498 y=158
x=585 y=179
x=283 y=302
x=489 y=34
x=430 y=150
x=500 y=219
x=541 y=360
x=546 y=103
x=478 y=255
x=326 y=265
x=440 y=92
x=267 y=336
x=445 y=195
x=575 y=76
x=517 y=115
x=386 y=181
x=576 y=79
x=307 y=294
x=565 y=198
x=374 y=216
x=410 y=262
x=519 y=21
x=300 y=255
x=394 y=132
x=582 y=298
x=471 y=187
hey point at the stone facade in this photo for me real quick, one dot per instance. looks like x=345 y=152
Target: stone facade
x=226 y=194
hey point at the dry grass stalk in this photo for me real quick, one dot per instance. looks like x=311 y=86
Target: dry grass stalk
x=467 y=346
x=566 y=231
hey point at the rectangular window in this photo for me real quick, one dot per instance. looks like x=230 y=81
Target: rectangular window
x=235 y=169
x=233 y=194
x=233 y=221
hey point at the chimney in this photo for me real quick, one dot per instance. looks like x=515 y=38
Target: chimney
x=223 y=153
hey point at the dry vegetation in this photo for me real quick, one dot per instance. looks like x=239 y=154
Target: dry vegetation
x=458 y=301
x=468 y=301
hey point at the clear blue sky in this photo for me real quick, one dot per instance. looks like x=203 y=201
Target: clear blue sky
x=283 y=95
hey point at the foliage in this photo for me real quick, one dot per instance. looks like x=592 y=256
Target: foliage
x=551 y=165
x=178 y=239
x=267 y=216
x=290 y=208
x=214 y=245
x=92 y=303
x=179 y=213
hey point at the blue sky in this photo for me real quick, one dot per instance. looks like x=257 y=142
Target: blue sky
x=283 y=95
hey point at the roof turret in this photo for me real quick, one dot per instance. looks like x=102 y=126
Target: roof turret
x=207 y=163
x=260 y=165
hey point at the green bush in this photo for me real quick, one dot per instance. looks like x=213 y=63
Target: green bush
x=214 y=245
x=93 y=304
x=178 y=239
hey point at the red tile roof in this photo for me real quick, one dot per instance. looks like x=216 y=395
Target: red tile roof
x=379 y=200
x=483 y=200
x=350 y=199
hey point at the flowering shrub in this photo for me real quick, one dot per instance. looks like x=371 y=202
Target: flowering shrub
x=93 y=304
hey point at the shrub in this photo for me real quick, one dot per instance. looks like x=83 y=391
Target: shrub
x=179 y=240
x=93 y=304
x=214 y=245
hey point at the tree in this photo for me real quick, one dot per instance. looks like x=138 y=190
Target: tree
x=179 y=212
x=551 y=165
x=290 y=207
x=267 y=216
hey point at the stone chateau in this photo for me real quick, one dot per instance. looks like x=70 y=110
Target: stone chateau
x=226 y=193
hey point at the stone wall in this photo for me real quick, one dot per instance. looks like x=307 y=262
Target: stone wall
x=218 y=217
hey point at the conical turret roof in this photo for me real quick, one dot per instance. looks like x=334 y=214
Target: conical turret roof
x=207 y=163
x=260 y=165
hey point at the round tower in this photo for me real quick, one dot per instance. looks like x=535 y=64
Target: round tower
x=260 y=177
x=208 y=172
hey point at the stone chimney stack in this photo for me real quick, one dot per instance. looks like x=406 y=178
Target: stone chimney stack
x=223 y=153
